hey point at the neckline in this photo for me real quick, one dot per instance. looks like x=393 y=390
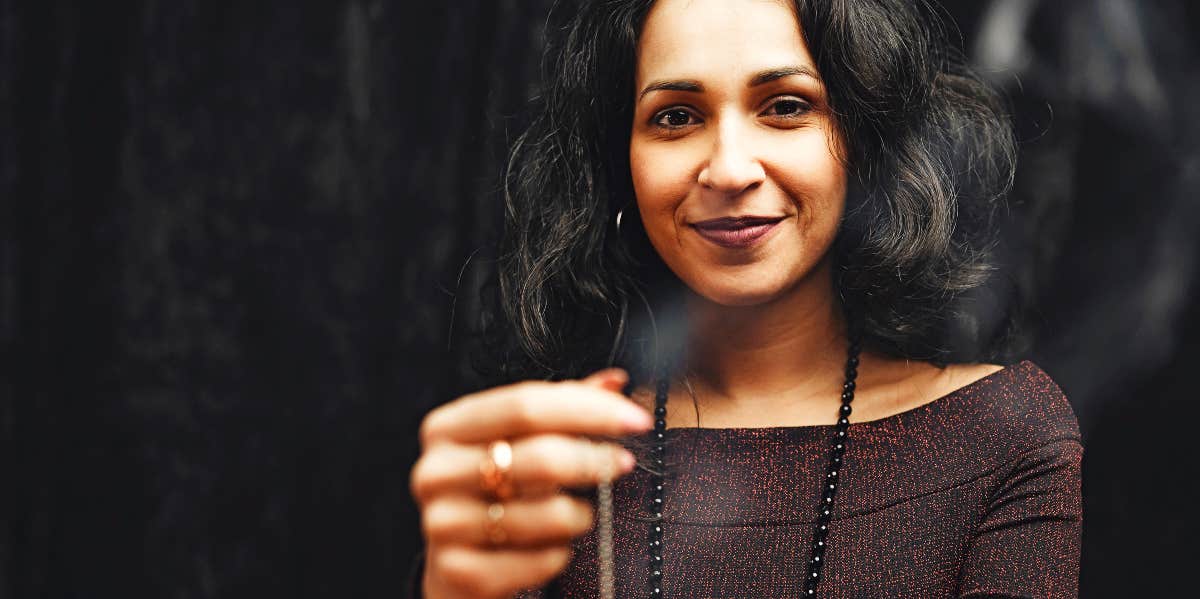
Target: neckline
x=885 y=421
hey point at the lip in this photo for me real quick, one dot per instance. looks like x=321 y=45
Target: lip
x=736 y=232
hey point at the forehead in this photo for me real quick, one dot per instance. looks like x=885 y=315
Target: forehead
x=703 y=38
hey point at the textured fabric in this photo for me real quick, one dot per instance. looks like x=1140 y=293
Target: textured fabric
x=975 y=494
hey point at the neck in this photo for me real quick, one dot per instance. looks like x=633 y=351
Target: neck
x=768 y=357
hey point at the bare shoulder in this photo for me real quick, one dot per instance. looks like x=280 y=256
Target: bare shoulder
x=957 y=376
x=889 y=386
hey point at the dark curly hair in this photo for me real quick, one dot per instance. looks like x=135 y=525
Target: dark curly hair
x=930 y=157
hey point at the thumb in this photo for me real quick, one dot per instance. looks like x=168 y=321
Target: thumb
x=611 y=379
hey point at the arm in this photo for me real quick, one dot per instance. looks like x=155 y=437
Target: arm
x=1027 y=545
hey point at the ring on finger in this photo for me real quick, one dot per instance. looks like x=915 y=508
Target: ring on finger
x=493 y=531
x=496 y=470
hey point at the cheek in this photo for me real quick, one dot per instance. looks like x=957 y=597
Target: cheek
x=815 y=179
x=662 y=179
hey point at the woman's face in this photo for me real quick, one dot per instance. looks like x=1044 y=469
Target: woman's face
x=731 y=121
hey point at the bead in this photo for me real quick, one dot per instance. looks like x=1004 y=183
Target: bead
x=825 y=509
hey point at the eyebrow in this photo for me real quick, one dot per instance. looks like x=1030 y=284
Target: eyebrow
x=759 y=78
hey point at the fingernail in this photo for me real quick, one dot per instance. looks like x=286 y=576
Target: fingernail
x=617 y=373
x=636 y=419
x=611 y=374
x=625 y=461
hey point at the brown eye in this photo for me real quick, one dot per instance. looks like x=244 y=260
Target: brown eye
x=788 y=107
x=674 y=118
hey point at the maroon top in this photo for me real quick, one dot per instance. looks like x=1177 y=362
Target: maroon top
x=974 y=494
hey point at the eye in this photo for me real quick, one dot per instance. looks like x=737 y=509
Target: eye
x=675 y=118
x=788 y=107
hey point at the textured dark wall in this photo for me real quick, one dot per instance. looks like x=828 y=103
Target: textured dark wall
x=239 y=244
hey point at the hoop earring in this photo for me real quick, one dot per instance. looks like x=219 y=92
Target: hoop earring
x=620 y=214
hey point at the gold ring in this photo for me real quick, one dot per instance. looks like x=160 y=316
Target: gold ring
x=491 y=526
x=496 y=470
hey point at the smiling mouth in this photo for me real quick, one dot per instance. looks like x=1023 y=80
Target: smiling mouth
x=736 y=222
x=736 y=232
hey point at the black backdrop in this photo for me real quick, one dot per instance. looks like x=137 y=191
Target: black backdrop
x=240 y=243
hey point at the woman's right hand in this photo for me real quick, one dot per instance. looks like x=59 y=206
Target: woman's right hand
x=547 y=425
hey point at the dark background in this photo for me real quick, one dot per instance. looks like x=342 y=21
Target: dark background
x=240 y=245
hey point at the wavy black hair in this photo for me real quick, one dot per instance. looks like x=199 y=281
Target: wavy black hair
x=930 y=155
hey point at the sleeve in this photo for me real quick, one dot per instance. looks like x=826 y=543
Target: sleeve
x=1028 y=542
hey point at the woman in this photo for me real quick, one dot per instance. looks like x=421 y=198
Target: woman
x=770 y=214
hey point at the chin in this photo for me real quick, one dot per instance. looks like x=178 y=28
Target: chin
x=735 y=294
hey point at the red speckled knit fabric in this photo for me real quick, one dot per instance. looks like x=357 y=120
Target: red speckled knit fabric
x=974 y=494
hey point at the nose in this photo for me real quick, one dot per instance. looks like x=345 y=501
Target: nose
x=732 y=167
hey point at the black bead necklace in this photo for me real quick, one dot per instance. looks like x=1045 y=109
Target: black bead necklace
x=824 y=507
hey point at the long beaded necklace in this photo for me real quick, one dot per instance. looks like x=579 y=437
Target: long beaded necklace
x=824 y=507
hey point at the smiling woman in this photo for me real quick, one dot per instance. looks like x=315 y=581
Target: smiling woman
x=734 y=152
x=743 y=204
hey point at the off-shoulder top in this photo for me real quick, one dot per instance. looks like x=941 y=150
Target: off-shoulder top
x=975 y=494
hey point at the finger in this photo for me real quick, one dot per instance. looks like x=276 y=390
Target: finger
x=541 y=464
x=487 y=573
x=462 y=520
x=534 y=407
x=612 y=379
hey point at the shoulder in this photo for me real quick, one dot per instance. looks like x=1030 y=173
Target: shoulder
x=1013 y=418
x=1019 y=409
x=1031 y=399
